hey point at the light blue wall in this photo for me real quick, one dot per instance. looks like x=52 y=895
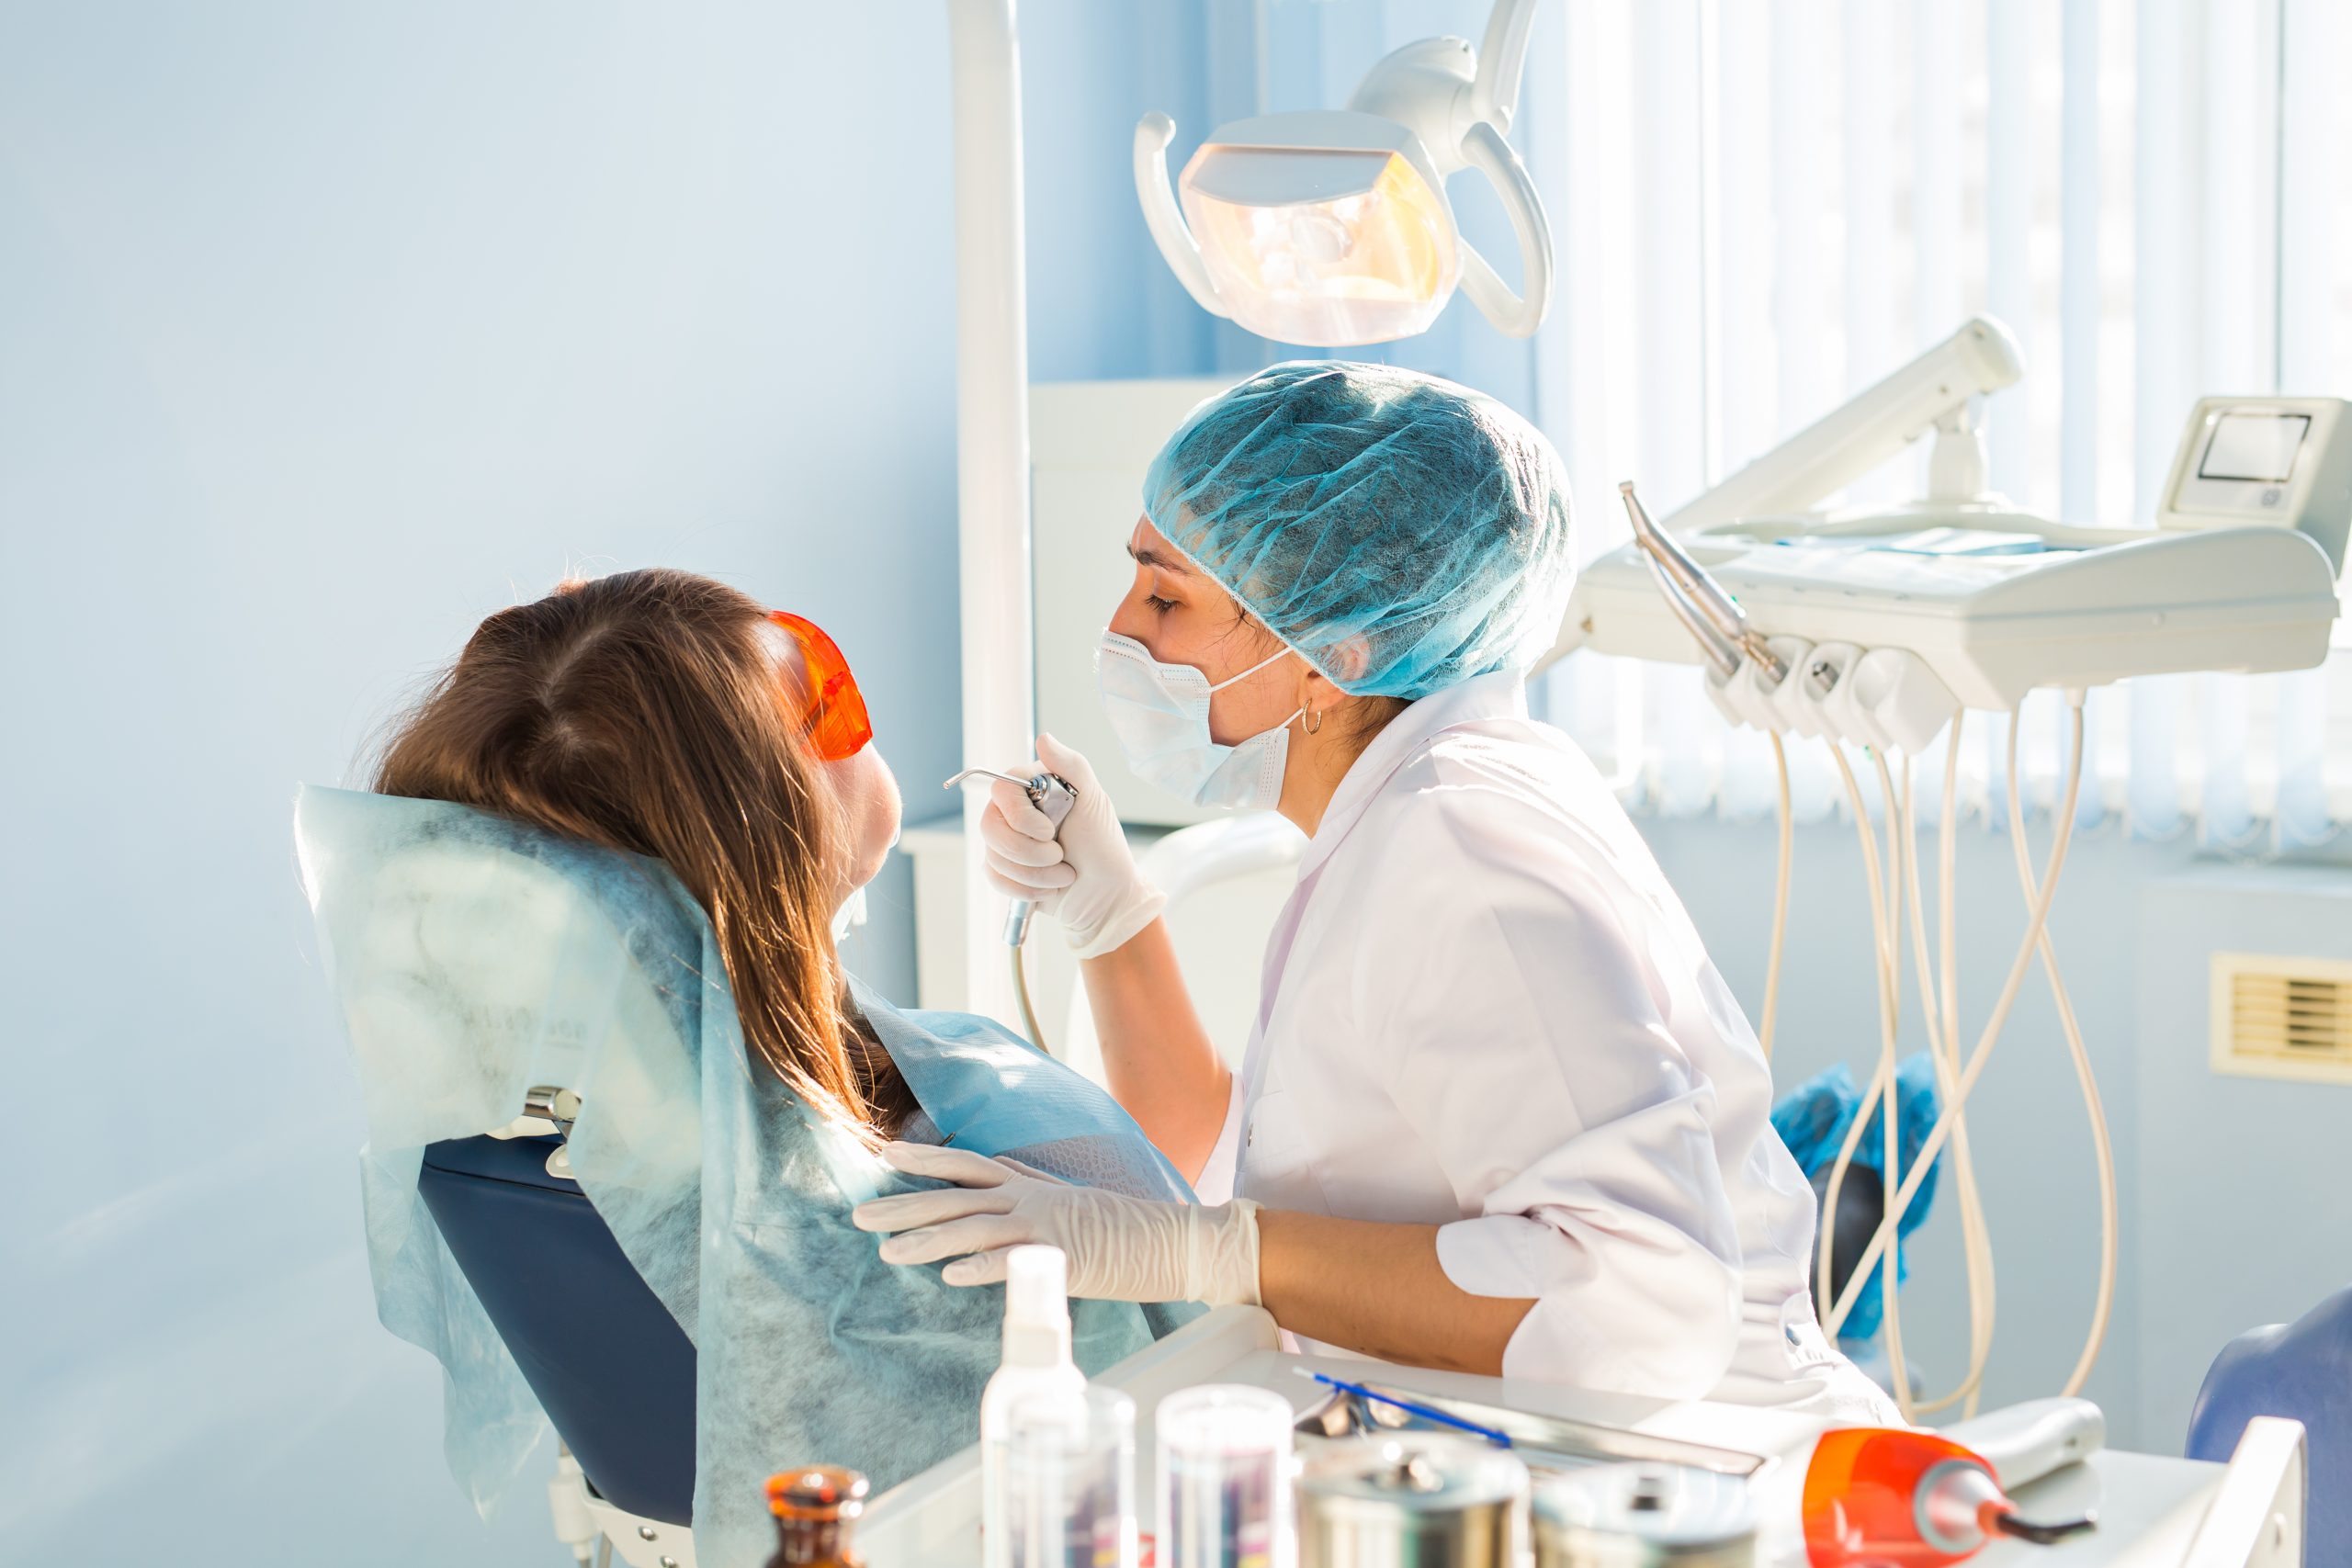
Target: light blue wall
x=2236 y=1193
x=325 y=329
x=2245 y=1185
x=1101 y=304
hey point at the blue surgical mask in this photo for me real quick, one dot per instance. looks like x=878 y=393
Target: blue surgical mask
x=1160 y=714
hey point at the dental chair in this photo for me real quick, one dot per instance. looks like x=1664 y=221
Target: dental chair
x=608 y=1363
x=2302 y=1369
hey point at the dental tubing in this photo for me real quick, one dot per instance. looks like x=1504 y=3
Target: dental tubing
x=1893 y=883
x=1770 y=1020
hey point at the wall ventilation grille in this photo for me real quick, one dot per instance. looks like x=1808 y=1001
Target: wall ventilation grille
x=2286 y=1017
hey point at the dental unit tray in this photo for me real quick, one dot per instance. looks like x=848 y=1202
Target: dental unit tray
x=1895 y=620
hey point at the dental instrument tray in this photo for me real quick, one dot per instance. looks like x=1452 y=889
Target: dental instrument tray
x=1976 y=601
x=1546 y=1443
x=2065 y=608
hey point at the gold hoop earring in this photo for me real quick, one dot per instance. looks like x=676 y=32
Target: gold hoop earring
x=1314 y=725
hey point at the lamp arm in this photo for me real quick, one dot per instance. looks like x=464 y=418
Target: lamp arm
x=1868 y=430
x=1154 y=131
x=1515 y=315
x=1502 y=60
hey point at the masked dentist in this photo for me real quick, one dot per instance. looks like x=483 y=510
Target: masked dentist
x=1498 y=1113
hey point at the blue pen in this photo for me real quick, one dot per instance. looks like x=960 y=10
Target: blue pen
x=1501 y=1440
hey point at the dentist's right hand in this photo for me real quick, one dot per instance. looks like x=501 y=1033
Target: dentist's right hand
x=1087 y=878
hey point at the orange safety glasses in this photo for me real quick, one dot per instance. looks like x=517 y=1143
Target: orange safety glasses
x=835 y=720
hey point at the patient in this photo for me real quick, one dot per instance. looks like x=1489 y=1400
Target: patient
x=605 y=852
x=670 y=715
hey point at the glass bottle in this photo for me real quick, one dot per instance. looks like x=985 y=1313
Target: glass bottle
x=816 y=1508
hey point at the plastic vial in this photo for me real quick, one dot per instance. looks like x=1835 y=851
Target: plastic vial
x=1225 y=1483
x=1063 y=1478
x=1037 y=1367
x=815 y=1510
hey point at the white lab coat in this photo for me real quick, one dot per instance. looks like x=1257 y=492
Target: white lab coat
x=1484 y=1009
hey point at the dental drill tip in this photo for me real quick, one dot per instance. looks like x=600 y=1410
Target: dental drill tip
x=984 y=773
x=1645 y=531
x=1700 y=592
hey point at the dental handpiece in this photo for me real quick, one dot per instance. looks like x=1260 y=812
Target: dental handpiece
x=1049 y=793
x=1689 y=590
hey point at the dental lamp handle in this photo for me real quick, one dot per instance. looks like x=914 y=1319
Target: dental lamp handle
x=1161 y=215
x=1514 y=314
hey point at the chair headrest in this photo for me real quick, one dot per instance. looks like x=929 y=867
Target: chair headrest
x=477 y=958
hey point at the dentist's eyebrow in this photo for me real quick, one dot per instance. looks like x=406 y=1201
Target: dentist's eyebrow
x=1173 y=566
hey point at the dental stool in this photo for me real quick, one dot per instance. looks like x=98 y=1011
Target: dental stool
x=610 y=1366
x=2302 y=1369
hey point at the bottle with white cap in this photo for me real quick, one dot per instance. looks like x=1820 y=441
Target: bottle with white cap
x=1036 y=1371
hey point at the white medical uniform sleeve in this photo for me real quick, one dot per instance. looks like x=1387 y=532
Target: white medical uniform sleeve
x=1525 y=1033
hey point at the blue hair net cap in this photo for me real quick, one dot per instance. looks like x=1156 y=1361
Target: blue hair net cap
x=473 y=957
x=1400 y=533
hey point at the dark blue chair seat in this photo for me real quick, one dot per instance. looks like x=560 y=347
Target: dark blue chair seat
x=610 y=1366
x=2302 y=1369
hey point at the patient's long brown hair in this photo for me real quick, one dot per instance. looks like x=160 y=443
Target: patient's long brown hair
x=644 y=711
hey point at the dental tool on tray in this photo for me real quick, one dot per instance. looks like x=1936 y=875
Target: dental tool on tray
x=1713 y=617
x=1054 y=795
x=1426 y=1412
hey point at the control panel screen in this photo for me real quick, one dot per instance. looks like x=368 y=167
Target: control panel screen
x=2258 y=447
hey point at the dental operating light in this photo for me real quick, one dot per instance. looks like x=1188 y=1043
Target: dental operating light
x=1331 y=228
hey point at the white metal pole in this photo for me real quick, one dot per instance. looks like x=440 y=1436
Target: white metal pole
x=991 y=450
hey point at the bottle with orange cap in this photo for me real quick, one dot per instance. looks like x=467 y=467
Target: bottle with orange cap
x=816 y=1508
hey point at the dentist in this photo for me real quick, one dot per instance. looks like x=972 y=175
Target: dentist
x=1499 y=1111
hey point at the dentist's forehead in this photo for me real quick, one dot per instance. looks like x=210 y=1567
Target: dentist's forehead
x=1150 y=547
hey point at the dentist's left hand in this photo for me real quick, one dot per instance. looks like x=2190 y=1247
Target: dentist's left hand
x=1120 y=1248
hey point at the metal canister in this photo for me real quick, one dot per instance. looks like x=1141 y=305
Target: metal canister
x=1645 y=1516
x=1412 y=1502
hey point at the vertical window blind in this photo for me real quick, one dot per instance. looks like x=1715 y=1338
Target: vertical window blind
x=1761 y=208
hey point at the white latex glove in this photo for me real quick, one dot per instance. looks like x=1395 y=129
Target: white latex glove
x=1120 y=1248
x=1087 y=878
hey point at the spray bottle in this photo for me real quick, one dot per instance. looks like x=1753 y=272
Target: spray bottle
x=1037 y=1364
